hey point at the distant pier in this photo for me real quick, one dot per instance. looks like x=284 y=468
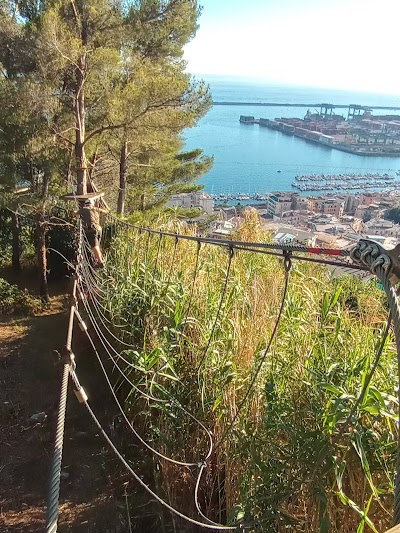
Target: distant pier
x=360 y=134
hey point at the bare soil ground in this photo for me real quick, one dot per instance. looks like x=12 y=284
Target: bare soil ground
x=91 y=489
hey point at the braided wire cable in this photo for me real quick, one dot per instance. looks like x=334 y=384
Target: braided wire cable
x=130 y=425
x=288 y=266
x=55 y=469
x=258 y=245
x=195 y=272
x=52 y=509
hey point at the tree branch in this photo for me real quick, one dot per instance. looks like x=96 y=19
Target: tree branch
x=156 y=16
x=111 y=127
x=59 y=134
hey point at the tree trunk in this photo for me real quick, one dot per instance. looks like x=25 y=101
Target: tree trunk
x=46 y=183
x=92 y=167
x=41 y=254
x=141 y=202
x=16 y=243
x=81 y=167
x=123 y=164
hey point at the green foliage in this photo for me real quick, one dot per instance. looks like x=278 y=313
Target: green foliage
x=16 y=301
x=61 y=239
x=292 y=447
x=26 y=238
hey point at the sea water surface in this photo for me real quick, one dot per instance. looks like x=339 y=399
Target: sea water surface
x=253 y=159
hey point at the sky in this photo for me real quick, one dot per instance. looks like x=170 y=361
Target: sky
x=338 y=44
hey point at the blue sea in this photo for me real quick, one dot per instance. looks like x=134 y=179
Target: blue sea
x=247 y=158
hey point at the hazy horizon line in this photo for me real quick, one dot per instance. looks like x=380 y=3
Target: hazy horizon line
x=275 y=83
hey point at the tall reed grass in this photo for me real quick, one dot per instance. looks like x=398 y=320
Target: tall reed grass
x=291 y=461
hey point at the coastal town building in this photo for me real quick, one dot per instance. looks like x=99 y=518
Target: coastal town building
x=351 y=202
x=366 y=212
x=198 y=200
x=327 y=221
x=326 y=204
x=383 y=228
x=278 y=203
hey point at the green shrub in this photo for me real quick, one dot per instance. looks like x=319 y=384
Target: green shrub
x=14 y=300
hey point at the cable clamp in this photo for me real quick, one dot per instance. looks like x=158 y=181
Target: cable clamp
x=68 y=358
x=81 y=395
x=287 y=254
x=81 y=322
x=373 y=255
x=72 y=362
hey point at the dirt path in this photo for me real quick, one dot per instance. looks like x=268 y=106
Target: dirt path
x=91 y=488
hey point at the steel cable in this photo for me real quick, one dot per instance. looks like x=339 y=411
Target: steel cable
x=55 y=469
x=233 y=243
x=225 y=434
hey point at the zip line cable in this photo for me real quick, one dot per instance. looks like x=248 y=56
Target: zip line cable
x=234 y=244
x=53 y=498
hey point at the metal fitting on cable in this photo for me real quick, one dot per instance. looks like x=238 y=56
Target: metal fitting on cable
x=79 y=391
x=81 y=322
x=81 y=395
x=373 y=255
x=287 y=254
x=382 y=261
x=69 y=358
x=72 y=361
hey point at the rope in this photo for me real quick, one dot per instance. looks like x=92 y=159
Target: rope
x=159 y=454
x=149 y=397
x=195 y=272
x=288 y=266
x=371 y=373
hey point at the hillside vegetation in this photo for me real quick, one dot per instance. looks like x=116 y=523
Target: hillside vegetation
x=292 y=460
